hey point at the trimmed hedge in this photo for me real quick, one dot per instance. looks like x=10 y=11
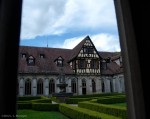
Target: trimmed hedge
x=111 y=100
x=97 y=95
x=47 y=100
x=81 y=113
x=76 y=100
x=25 y=98
x=24 y=105
x=107 y=109
x=45 y=107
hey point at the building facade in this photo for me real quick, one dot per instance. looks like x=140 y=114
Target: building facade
x=81 y=70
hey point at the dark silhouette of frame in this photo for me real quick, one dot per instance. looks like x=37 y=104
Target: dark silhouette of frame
x=132 y=53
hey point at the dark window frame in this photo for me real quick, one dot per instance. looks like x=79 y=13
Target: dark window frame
x=82 y=64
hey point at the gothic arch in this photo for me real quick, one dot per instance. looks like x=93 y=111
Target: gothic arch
x=40 y=87
x=73 y=86
x=51 y=86
x=27 y=87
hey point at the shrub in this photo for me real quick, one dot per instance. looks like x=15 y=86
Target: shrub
x=81 y=113
x=24 y=105
x=45 y=107
x=107 y=109
x=111 y=100
x=25 y=98
x=46 y=100
x=97 y=95
x=76 y=100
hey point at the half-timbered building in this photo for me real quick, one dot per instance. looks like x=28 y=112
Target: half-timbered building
x=83 y=70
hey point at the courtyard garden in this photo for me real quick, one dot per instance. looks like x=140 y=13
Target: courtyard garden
x=98 y=106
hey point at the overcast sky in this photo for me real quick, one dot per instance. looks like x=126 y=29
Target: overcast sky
x=64 y=23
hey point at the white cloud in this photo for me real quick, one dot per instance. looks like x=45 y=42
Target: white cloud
x=45 y=17
x=102 y=42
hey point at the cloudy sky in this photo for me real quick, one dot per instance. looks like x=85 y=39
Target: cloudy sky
x=64 y=23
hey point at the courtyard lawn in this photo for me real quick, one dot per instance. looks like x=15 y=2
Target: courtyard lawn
x=31 y=114
x=120 y=104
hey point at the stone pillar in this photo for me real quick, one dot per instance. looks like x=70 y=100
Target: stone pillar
x=123 y=85
x=57 y=90
x=68 y=88
x=21 y=87
x=117 y=85
x=34 y=87
x=98 y=86
x=46 y=87
x=79 y=87
x=107 y=85
x=88 y=86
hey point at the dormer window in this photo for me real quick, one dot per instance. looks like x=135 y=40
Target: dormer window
x=59 y=61
x=42 y=56
x=23 y=55
x=104 y=65
x=31 y=60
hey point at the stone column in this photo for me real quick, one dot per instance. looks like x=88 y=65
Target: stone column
x=117 y=85
x=34 y=87
x=88 y=86
x=98 y=86
x=123 y=85
x=46 y=87
x=57 y=90
x=107 y=85
x=79 y=87
x=68 y=88
x=21 y=87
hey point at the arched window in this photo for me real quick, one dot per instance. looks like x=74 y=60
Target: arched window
x=40 y=87
x=28 y=87
x=103 y=86
x=84 y=87
x=111 y=86
x=73 y=86
x=51 y=86
x=93 y=86
x=83 y=83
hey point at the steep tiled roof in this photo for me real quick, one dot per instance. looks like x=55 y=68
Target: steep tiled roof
x=107 y=54
x=115 y=57
x=112 y=68
x=48 y=66
x=77 y=49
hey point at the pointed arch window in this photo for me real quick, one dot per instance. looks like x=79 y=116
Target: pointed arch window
x=28 y=87
x=40 y=87
x=93 y=86
x=83 y=83
x=73 y=86
x=51 y=86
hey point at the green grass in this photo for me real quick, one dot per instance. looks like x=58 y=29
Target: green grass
x=31 y=114
x=119 y=104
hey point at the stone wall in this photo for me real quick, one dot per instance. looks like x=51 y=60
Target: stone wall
x=109 y=83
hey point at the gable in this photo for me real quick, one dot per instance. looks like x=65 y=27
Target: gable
x=88 y=50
